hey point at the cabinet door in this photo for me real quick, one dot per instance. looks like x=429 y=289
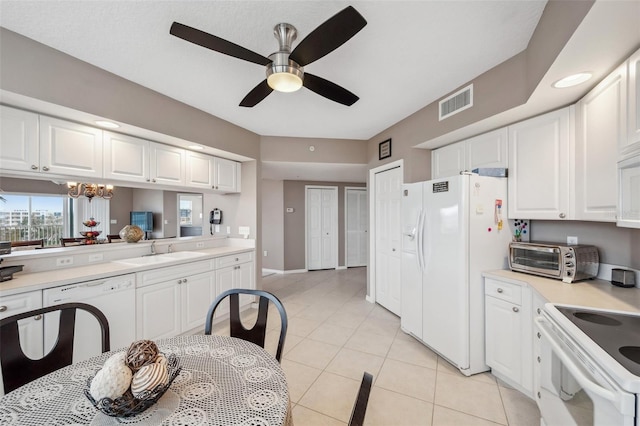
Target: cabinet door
x=158 y=311
x=226 y=176
x=245 y=278
x=70 y=149
x=167 y=164
x=126 y=158
x=600 y=129
x=225 y=280
x=540 y=150
x=197 y=293
x=487 y=150
x=503 y=337
x=18 y=140
x=200 y=170
x=629 y=193
x=633 y=117
x=448 y=160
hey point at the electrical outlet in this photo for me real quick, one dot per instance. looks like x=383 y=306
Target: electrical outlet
x=228 y=229
x=64 y=261
x=95 y=257
x=200 y=245
x=572 y=240
x=265 y=253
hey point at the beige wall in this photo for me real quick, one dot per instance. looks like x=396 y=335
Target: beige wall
x=325 y=150
x=273 y=224
x=120 y=207
x=294 y=223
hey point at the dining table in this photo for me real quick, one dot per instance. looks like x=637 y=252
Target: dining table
x=223 y=381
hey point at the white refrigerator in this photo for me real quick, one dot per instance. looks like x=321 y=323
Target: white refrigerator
x=453 y=229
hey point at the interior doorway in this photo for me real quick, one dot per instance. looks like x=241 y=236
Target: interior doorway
x=321 y=224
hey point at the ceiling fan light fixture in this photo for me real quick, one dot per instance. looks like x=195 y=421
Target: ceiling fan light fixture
x=284 y=82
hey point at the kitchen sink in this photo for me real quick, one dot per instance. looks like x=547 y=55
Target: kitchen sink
x=160 y=258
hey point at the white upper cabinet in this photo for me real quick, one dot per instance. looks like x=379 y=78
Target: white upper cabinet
x=540 y=150
x=200 y=170
x=126 y=158
x=168 y=164
x=600 y=130
x=486 y=150
x=70 y=149
x=19 y=148
x=629 y=192
x=632 y=142
x=226 y=175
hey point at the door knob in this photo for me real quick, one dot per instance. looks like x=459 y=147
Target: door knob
x=562 y=215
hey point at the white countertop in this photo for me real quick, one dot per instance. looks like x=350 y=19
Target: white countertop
x=23 y=282
x=596 y=293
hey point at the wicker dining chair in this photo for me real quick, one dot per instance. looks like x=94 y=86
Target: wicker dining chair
x=258 y=332
x=18 y=369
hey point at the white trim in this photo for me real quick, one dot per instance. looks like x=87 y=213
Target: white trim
x=343 y=267
x=334 y=223
x=271 y=271
x=296 y=271
x=371 y=268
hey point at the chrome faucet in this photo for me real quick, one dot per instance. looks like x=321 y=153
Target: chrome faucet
x=153 y=247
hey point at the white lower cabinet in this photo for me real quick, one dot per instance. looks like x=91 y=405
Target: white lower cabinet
x=239 y=274
x=508 y=328
x=173 y=300
x=31 y=329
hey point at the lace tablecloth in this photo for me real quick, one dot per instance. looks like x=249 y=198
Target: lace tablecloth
x=224 y=381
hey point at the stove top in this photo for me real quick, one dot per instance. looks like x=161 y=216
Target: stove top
x=618 y=334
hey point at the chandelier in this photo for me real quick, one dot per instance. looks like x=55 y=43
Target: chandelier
x=90 y=190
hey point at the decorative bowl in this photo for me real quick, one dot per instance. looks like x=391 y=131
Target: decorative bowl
x=90 y=223
x=90 y=234
x=127 y=405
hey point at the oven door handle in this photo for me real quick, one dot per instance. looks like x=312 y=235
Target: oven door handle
x=572 y=365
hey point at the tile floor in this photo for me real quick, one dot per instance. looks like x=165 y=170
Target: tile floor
x=335 y=334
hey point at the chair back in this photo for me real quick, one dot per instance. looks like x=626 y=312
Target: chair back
x=27 y=244
x=258 y=332
x=18 y=369
x=360 y=407
x=71 y=241
x=112 y=237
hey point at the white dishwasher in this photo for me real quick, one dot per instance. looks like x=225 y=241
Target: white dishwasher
x=114 y=296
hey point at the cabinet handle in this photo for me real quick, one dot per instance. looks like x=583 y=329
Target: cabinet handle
x=148 y=180
x=3 y=308
x=179 y=281
x=500 y=290
x=184 y=281
x=562 y=215
x=153 y=180
x=34 y=167
x=539 y=335
x=37 y=317
x=45 y=168
x=237 y=259
x=515 y=309
x=539 y=396
x=539 y=360
x=538 y=311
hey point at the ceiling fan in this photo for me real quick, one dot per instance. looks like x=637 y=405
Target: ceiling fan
x=285 y=68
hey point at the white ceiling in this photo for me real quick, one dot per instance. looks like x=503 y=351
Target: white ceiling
x=409 y=54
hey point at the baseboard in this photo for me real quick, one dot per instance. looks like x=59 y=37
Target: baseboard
x=295 y=271
x=267 y=271
x=341 y=267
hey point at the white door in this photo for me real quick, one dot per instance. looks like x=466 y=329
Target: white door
x=197 y=292
x=388 y=243
x=158 y=310
x=356 y=224
x=322 y=220
x=19 y=148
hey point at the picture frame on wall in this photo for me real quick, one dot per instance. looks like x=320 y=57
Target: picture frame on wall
x=384 y=149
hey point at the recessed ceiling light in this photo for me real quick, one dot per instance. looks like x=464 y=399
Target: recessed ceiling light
x=572 y=80
x=196 y=147
x=107 y=124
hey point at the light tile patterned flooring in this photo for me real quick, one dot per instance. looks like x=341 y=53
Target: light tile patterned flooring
x=335 y=334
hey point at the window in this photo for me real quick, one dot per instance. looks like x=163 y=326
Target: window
x=49 y=217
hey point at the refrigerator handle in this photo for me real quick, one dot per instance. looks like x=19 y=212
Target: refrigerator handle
x=419 y=240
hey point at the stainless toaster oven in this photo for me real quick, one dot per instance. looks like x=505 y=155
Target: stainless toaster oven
x=568 y=263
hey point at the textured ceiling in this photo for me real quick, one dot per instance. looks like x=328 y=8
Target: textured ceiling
x=410 y=53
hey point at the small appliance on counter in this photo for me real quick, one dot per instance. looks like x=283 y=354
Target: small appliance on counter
x=569 y=263
x=6 y=272
x=5 y=247
x=623 y=277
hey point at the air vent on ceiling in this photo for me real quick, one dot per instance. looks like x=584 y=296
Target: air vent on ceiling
x=455 y=103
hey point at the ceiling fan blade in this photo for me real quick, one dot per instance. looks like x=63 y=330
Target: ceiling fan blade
x=258 y=93
x=217 y=44
x=329 y=90
x=330 y=35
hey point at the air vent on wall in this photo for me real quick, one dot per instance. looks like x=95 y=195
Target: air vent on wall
x=455 y=103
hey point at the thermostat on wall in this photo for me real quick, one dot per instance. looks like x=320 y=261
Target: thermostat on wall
x=290 y=210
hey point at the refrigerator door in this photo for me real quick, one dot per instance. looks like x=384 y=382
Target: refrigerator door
x=445 y=286
x=411 y=264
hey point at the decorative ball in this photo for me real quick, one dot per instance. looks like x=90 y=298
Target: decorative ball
x=140 y=353
x=131 y=233
x=150 y=376
x=119 y=358
x=112 y=381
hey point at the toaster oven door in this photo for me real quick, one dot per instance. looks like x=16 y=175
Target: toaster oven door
x=539 y=260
